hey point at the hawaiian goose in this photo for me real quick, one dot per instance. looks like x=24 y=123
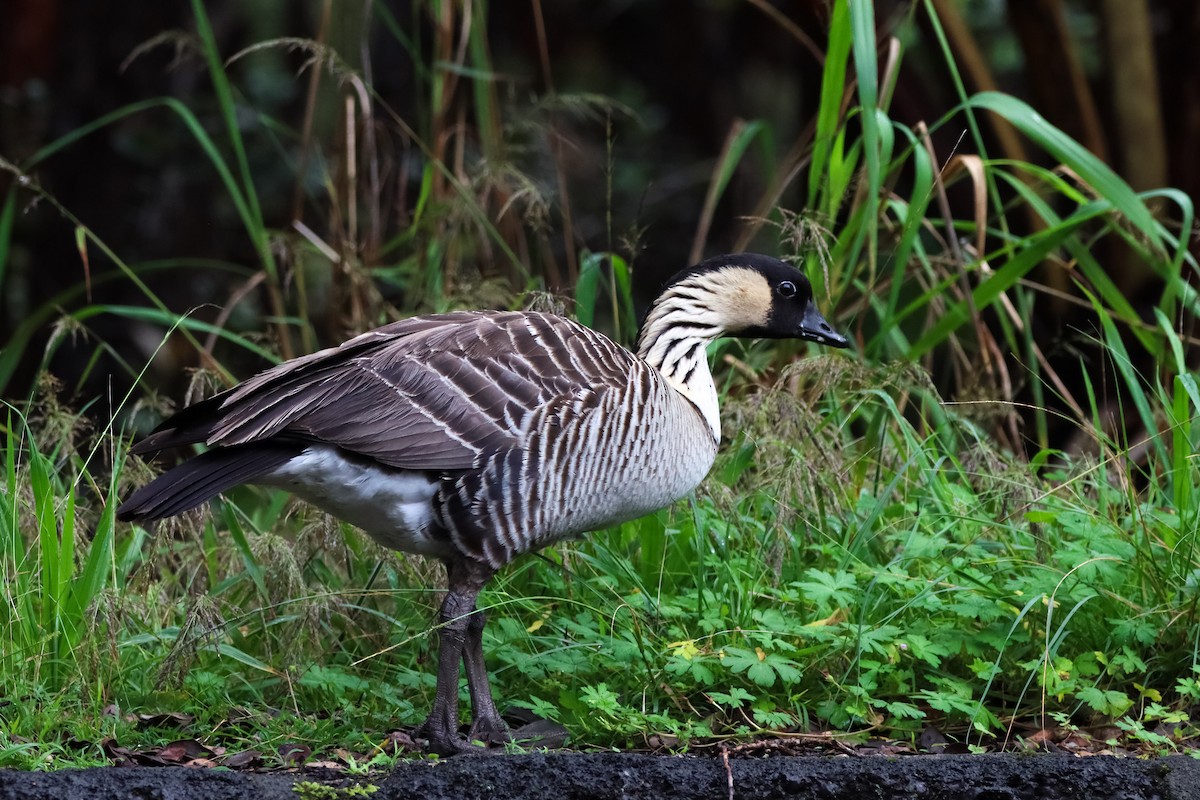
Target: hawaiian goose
x=474 y=437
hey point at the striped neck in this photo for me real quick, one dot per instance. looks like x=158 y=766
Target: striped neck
x=674 y=340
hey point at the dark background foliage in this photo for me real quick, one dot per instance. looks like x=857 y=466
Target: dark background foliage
x=627 y=174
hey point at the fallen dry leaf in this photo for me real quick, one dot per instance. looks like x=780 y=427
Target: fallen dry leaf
x=183 y=750
x=176 y=718
x=294 y=754
x=240 y=760
x=399 y=742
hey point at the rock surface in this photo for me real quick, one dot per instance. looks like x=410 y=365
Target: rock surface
x=613 y=776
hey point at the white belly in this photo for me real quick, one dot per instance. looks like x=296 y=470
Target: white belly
x=393 y=506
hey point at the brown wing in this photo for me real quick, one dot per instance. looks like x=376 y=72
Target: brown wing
x=430 y=393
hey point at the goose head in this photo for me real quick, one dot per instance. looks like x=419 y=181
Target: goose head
x=743 y=294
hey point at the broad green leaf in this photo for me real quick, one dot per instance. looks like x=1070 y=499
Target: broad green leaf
x=1072 y=154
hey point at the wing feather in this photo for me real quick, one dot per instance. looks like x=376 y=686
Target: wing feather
x=440 y=392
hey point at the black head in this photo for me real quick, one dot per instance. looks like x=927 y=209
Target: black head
x=760 y=297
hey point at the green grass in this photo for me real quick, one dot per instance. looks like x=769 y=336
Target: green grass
x=866 y=558
x=882 y=581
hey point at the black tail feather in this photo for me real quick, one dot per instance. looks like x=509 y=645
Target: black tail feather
x=193 y=424
x=204 y=477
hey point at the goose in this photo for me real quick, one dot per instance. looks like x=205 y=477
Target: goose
x=475 y=436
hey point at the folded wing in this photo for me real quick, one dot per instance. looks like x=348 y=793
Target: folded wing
x=439 y=392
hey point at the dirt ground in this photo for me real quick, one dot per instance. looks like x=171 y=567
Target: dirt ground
x=613 y=776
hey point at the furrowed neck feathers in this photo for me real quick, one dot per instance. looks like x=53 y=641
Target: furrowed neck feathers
x=691 y=314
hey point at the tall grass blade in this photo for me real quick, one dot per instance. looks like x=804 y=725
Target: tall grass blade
x=829 y=113
x=876 y=146
x=1067 y=151
x=1132 y=382
x=1003 y=279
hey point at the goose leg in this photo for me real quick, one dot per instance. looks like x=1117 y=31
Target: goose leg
x=486 y=724
x=465 y=579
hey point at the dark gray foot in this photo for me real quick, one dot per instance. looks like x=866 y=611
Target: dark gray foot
x=490 y=730
x=442 y=739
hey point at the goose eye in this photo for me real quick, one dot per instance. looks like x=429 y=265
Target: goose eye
x=786 y=289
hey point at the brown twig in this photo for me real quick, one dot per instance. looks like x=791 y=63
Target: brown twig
x=728 y=771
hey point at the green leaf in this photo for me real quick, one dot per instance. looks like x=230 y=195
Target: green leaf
x=600 y=698
x=587 y=288
x=1071 y=153
x=1109 y=702
x=787 y=671
x=901 y=710
x=761 y=673
x=825 y=589
x=735 y=698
